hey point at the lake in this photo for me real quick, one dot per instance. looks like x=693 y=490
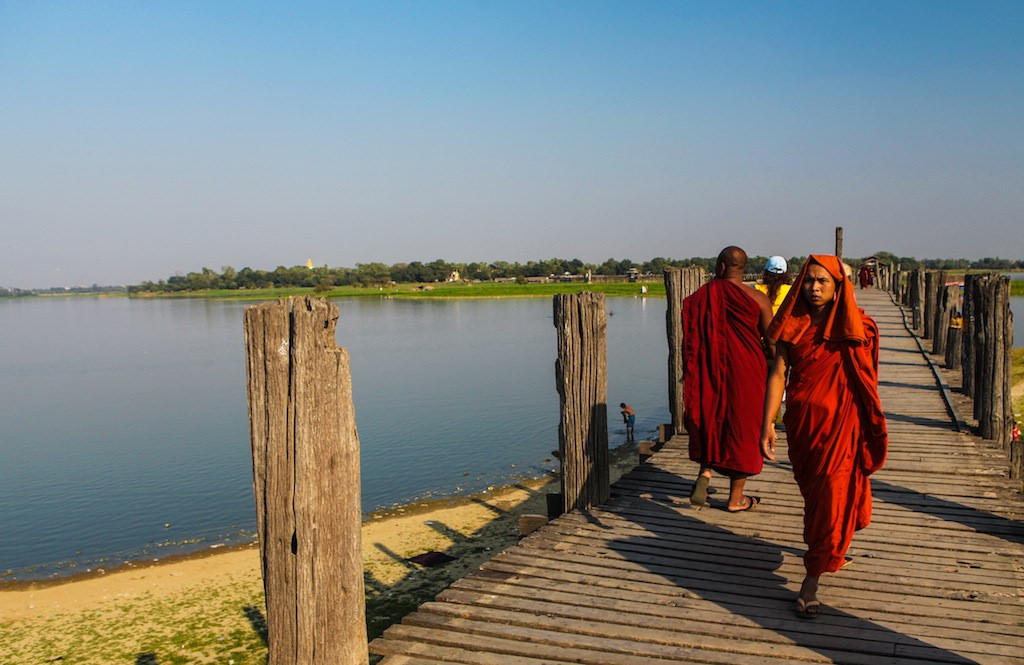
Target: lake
x=120 y=416
x=124 y=432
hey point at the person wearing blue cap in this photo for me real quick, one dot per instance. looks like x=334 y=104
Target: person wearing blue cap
x=775 y=281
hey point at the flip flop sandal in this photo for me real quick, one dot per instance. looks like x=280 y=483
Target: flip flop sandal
x=699 y=495
x=807 y=610
x=754 y=501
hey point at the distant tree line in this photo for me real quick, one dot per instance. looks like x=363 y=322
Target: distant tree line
x=378 y=274
x=60 y=291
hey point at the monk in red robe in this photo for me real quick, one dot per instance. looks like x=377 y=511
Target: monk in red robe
x=724 y=373
x=834 y=421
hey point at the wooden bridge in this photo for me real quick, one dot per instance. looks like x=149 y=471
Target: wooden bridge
x=646 y=578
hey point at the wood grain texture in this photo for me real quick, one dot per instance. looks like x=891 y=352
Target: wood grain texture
x=306 y=482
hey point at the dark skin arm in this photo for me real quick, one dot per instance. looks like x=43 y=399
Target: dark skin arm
x=773 y=400
x=764 y=319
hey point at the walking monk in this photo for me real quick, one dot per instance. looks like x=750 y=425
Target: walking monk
x=834 y=421
x=724 y=373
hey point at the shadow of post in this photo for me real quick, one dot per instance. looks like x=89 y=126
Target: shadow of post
x=257 y=621
x=951 y=511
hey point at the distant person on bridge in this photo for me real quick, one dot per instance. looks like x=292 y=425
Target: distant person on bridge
x=775 y=281
x=866 y=278
x=724 y=375
x=834 y=422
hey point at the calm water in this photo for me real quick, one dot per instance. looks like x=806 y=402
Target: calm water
x=124 y=433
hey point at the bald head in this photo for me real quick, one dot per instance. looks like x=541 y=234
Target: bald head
x=731 y=264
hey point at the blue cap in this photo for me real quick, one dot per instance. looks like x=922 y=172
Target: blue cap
x=776 y=264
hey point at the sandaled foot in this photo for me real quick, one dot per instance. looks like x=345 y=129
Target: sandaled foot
x=699 y=495
x=807 y=609
x=752 y=502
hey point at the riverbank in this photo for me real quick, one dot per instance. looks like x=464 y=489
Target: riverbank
x=432 y=290
x=208 y=607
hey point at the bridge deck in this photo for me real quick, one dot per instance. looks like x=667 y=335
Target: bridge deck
x=937 y=577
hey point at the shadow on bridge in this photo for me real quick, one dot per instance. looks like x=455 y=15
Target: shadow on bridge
x=978 y=520
x=740 y=574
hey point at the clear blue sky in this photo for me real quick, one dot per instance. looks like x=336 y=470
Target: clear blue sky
x=140 y=139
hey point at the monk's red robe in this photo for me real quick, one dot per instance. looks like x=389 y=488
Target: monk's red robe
x=724 y=375
x=834 y=421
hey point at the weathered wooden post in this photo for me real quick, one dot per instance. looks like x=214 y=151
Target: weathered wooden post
x=581 y=377
x=839 y=242
x=917 y=297
x=674 y=329
x=305 y=458
x=992 y=408
x=982 y=311
x=944 y=302
x=969 y=332
x=680 y=283
x=1016 y=447
x=1000 y=415
x=1007 y=357
x=954 y=343
x=929 y=304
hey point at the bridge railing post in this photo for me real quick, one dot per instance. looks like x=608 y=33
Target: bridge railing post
x=988 y=343
x=581 y=378
x=305 y=458
x=680 y=283
x=916 y=302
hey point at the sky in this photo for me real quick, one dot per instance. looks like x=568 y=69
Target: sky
x=139 y=140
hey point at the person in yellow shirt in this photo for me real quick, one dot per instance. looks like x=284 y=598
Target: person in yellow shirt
x=775 y=281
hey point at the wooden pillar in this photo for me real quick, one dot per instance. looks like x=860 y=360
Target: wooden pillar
x=917 y=298
x=1001 y=411
x=969 y=335
x=990 y=369
x=1007 y=407
x=581 y=377
x=680 y=283
x=674 y=289
x=980 y=314
x=305 y=457
x=929 y=304
x=954 y=347
x=943 y=306
x=839 y=242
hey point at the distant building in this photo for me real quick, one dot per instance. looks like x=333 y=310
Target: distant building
x=454 y=276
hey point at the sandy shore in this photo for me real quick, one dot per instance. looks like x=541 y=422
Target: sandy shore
x=208 y=607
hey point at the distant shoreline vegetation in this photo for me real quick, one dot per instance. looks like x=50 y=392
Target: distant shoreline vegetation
x=441 y=278
x=378 y=277
x=93 y=290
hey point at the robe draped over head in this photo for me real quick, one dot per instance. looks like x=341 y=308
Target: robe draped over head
x=834 y=421
x=724 y=375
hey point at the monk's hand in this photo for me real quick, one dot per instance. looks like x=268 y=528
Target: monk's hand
x=768 y=439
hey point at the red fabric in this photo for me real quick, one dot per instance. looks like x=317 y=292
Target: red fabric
x=724 y=375
x=834 y=421
x=865 y=277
